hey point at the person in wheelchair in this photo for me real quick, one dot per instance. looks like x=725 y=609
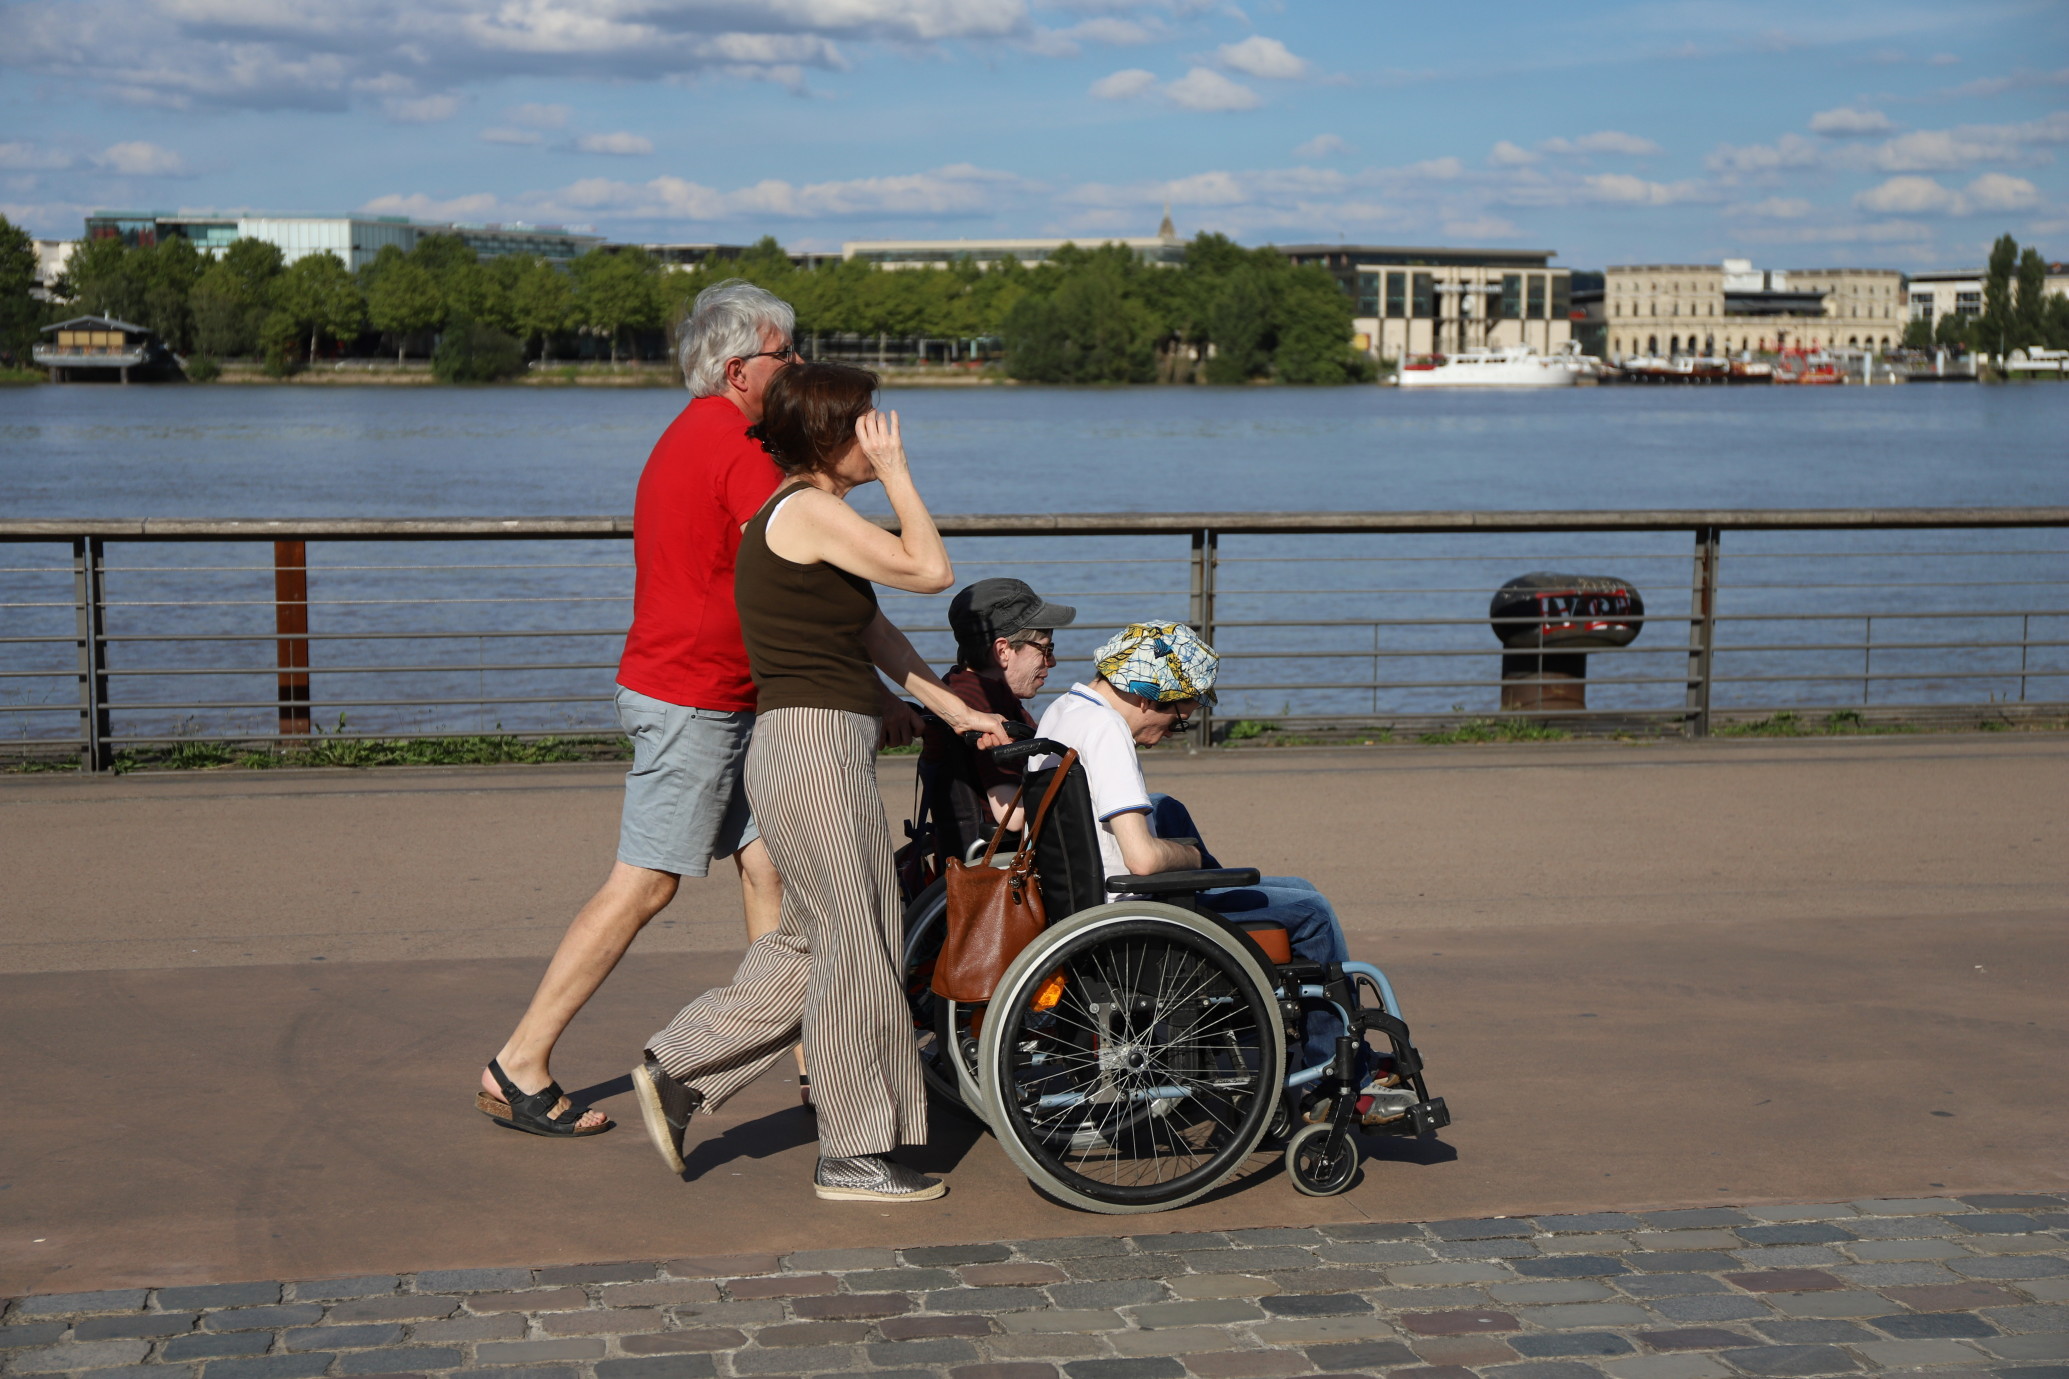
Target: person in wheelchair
x=1150 y=679
x=1005 y=637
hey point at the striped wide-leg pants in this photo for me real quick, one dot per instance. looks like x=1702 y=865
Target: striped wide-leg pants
x=831 y=969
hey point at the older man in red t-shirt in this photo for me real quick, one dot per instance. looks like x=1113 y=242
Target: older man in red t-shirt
x=684 y=695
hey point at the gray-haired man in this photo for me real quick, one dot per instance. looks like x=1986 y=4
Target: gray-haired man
x=684 y=695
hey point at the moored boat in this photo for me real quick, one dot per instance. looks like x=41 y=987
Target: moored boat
x=1515 y=366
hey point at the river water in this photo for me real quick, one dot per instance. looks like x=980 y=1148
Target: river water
x=80 y=452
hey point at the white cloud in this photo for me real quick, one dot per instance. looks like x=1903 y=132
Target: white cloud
x=1203 y=88
x=1941 y=150
x=1435 y=169
x=538 y=116
x=621 y=144
x=1125 y=84
x=1624 y=189
x=511 y=136
x=1774 y=208
x=137 y=159
x=1789 y=151
x=1943 y=59
x=1603 y=141
x=1958 y=149
x=1847 y=122
x=1116 y=31
x=1989 y=193
x=418 y=206
x=1322 y=146
x=1996 y=191
x=1482 y=227
x=1259 y=56
x=296 y=53
x=1508 y=155
x=20 y=157
x=1911 y=196
x=956 y=190
x=421 y=109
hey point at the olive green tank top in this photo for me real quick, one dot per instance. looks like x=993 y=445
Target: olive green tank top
x=803 y=626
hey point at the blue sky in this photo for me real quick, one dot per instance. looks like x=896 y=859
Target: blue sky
x=1895 y=133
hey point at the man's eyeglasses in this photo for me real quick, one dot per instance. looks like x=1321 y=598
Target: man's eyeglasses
x=788 y=354
x=1048 y=649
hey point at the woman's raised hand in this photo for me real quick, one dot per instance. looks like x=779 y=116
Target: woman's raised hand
x=881 y=442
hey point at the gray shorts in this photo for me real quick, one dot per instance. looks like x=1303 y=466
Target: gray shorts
x=685 y=799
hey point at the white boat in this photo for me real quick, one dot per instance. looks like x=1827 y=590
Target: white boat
x=1515 y=366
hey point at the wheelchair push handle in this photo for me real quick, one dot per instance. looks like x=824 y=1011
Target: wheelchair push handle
x=1025 y=742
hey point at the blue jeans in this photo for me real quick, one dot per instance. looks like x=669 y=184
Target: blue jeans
x=1312 y=929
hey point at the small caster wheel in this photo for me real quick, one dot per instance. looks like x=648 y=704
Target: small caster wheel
x=1313 y=1169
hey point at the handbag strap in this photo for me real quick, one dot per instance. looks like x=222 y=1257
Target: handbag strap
x=1025 y=857
x=998 y=834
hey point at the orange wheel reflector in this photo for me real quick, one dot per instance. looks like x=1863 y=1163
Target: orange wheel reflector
x=1051 y=992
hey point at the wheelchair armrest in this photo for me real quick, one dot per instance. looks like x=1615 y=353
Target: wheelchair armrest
x=1175 y=882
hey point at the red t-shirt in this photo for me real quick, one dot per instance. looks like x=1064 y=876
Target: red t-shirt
x=704 y=479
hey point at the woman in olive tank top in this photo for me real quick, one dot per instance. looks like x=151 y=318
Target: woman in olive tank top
x=816 y=640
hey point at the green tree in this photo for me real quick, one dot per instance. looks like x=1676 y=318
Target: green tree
x=615 y=292
x=1314 y=319
x=101 y=279
x=226 y=313
x=20 y=312
x=475 y=352
x=2029 y=307
x=257 y=261
x=1996 y=328
x=1241 y=327
x=1088 y=329
x=401 y=300
x=543 y=303
x=167 y=276
x=319 y=296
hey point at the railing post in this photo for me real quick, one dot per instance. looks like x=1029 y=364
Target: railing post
x=1205 y=555
x=1702 y=631
x=291 y=622
x=89 y=597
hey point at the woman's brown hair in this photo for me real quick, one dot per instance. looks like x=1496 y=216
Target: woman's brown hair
x=809 y=414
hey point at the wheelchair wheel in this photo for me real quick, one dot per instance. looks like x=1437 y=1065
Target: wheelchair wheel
x=1313 y=1169
x=933 y=1019
x=1131 y=1058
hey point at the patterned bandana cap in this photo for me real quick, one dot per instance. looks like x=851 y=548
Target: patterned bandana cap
x=1161 y=661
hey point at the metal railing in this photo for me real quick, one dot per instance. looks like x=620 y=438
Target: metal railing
x=122 y=634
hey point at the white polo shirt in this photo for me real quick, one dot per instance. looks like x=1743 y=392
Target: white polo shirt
x=1106 y=749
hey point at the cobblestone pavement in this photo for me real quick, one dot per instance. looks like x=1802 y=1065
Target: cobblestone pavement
x=1975 y=1285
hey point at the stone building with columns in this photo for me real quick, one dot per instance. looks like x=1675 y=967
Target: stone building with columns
x=1411 y=301
x=1662 y=310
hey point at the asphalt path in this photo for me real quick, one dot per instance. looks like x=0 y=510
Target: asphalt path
x=242 y=1013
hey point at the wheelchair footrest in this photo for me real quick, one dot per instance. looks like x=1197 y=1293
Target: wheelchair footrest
x=1422 y=1118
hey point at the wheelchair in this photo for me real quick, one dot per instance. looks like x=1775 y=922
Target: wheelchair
x=1135 y=1055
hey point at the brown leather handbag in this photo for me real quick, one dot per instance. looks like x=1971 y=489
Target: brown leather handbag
x=994 y=912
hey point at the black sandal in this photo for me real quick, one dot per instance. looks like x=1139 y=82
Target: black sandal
x=532 y=1112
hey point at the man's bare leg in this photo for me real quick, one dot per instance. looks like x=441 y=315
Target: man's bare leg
x=592 y=946
x=761 y=896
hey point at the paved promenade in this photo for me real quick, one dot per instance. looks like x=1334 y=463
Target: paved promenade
x=242 y=1015
x=1969 y=1285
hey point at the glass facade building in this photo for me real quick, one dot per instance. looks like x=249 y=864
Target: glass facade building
x=354 y=239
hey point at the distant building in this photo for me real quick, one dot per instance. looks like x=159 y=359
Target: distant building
x=1429 y=301
x=1164 y=248
x=355 y=239
x=89 y=347
x=51 y=257
x=1933 y=296
x=1733 y=307
x=687 y=255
